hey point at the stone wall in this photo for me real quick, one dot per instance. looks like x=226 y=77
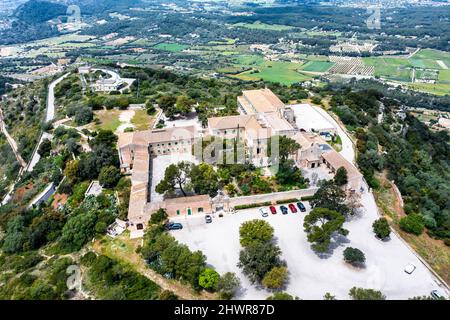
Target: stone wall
x=273 y=197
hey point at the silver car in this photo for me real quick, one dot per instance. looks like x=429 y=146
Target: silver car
x=263 y=212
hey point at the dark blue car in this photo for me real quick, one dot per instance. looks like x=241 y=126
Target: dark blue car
x=301 y=206
x=284 y=210
x=174 y=226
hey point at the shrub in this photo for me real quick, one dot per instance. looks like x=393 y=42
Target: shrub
x=159 y=216
x=109 y=176
x=412 y=223
x=381 y=228
x=366 y=294
x=280 y=296
x=228 y=285
x=253 y=205
x=168 y=295
x=208 y=279
x=354 y=256
x=275 y=278
x=287 y=201
x=254 y=232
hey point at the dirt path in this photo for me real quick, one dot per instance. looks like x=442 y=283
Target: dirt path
x=135 y=260
x=11 y=141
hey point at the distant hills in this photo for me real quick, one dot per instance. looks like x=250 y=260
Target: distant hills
x=37 y=11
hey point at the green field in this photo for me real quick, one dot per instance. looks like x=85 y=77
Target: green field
x=444 y=76
x=263 y=26
x=390 y=68
x=171 y=47
x=317 y=66
x=400 y=69
x=439 y=89
x=276 y=71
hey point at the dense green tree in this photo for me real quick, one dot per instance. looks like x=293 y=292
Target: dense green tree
x=208 y=279
x=204 y=179
x=412 y=223
x=329 y=296
x=15 y=237
x=381 y=228
x=175 y=176
x=227 y=286
x=258 y=259
x=45 y=148
x=254 y=232
x=286 y=147
x=332 y=197
x=109 y=176
x=159 y=216
x=77 y=232
x=275 y=278
x=366 y=294
x=320 y=224
x=341 y=177
x=354 y=256
x=280 y=296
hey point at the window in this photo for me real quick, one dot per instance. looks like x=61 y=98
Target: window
x=200 y=210
x=178 y=212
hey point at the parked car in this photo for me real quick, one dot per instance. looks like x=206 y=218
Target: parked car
x=301 y=206
x=263 y=212
x=174 y=226
x=208 y=218
x=293 y=208
x=284 y=210
x=273 y=210
x=410 y=268
x=437 y=295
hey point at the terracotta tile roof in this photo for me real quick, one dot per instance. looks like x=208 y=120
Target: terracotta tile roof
x=262 y=100
x=336 y=160
x=230 y=122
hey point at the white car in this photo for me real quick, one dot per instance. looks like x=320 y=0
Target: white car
x=437 y=295
x=263 y=212
x=410 y=268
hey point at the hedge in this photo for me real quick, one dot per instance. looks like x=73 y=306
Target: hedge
x=253 y=205
x=287 y=201
x=308 y=198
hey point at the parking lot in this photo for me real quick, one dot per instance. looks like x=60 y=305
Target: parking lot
x=312 y=275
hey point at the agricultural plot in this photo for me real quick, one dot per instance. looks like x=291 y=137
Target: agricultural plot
x=263 y=26
x=444 y=76
x=439 y=89
x=317 y=66
x=427 y=74
x=350 y=66
x=171 y=47
x=275 y=71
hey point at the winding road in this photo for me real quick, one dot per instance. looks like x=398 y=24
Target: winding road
x=49 y=116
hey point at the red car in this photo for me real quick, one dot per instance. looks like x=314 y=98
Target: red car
x=293 y=208
x=273 y=210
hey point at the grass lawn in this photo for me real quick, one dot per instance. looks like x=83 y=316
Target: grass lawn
x=109 y=119
x=141 y=120
x=263 y=26
x=172 y=47
x=317 y=66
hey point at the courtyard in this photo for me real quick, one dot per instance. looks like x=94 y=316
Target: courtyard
x=312 y=275
x=158 y=169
